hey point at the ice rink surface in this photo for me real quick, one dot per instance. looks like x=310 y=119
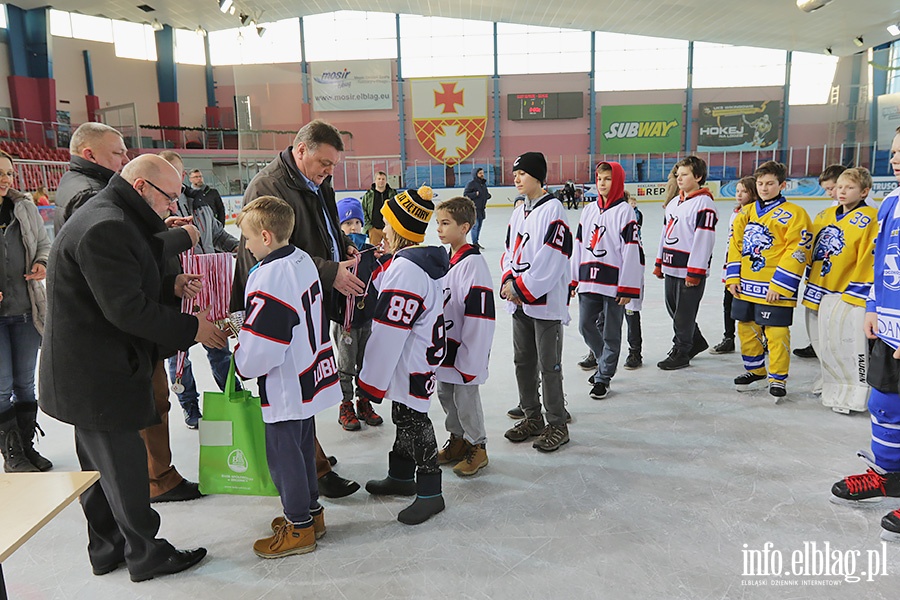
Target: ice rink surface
x=674 y=486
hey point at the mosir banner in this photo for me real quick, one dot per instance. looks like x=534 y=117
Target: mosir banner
x=352 y=85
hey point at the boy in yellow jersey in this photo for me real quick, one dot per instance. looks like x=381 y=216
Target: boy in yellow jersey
x=767 y=255
x=841 y=265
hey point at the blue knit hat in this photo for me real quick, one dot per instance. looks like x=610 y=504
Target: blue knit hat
x=350 y=208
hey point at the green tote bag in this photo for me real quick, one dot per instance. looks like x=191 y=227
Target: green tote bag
x=233 y=444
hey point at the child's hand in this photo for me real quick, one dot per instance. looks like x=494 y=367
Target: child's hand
x=870 y=326
x=735 y=290
x=772 y=296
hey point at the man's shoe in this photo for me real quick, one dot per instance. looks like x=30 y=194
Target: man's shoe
x=178 y=562
x=675 y=360
x=747 y=381
x=192 y=416
x=525 y=429
x=332 y=485
x=807 y=352
x=551 y=438
x=287 y=540
x=332 y=460
x=698 y=347
x=599 y=391
x=99 y=571
x=634 y=361
x=367 y=413
x=589 y=363
x=726 y=346
x=516 y=413
x=186 y=490
x=347 y=417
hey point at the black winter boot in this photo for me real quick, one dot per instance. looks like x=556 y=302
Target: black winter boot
x=26 y=415
x=400 y=481
x=429 y=500
x=14 y=459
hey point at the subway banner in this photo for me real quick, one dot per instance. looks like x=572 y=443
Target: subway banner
x=641 y=129
x=352 y=85
x=753 y=125
x=449 y=116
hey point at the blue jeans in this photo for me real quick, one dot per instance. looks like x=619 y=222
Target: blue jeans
x=476 y=230
x=600 y=324
x=19 y=343
x=219 y=362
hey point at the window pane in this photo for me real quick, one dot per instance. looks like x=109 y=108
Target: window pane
x=224 y=47
x=437 y=46
x=189 y=48
x=530 y=49
x=280 y=43
x=97 y=29
x=60 y=23
x=812 y=76
x=350 y=35
x=2 y=16
x=635 y=62
x=134 y=40
x=725 y=66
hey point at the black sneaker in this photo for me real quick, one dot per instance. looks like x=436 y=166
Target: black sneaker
x=192 y=416
x=726 y=346
x=870 y=485
x=516 y=413
x=589 y=363
x=698 y=347
x=777 y=389
x=747 y=381
x=633 y=361
x=807 y=352
x=599 y=391
x=675 y=360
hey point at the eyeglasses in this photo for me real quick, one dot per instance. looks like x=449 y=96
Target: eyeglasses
x=156 y=187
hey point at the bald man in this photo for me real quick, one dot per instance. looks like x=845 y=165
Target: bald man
x=107 y=317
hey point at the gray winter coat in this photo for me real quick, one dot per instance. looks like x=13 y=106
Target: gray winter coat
x=37 y=250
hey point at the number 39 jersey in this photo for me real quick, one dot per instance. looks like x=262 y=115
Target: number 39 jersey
x=769 y=248
x=408 y=340
x=284 y=339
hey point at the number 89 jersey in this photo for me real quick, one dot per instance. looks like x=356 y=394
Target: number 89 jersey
x=284 y=339
x=408 y=340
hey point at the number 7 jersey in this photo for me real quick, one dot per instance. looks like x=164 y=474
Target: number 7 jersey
x=284 y=339
x=408 y=340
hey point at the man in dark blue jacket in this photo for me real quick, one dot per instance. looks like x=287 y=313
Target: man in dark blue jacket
x=478 y=193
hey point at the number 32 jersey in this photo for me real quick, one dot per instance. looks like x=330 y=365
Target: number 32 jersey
x=408 y=340
x=284 y=339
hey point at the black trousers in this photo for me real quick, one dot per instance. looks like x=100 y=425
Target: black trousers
x=729 y=321
x=682 y=303
x=121 y=523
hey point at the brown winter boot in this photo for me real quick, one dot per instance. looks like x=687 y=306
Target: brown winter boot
x=476 y=458
x=367 y=413
x=287 y=540
x=318 y=522
x=453 y=451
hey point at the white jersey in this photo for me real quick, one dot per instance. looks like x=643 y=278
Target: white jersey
x=408 y=340
x=469 y=317
x=536 y=260
x=689 y=236
x=607 y=258
x=284 y=339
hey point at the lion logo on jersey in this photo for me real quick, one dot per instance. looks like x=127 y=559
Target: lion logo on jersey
x=757 y=239
x=829 y=242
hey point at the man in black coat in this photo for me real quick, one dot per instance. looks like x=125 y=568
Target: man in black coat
x=105 y=324
x=477 y=192
x=208 y=195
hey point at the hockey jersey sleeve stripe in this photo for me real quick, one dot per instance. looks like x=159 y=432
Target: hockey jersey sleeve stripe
x=626 y=292
x=522 y=291
x=860 y=290
x=371 y=392
x=697 y=272
x=786 y=280
x=732 y=271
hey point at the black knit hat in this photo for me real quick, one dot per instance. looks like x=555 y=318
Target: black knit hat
x=409 y=213
x=534 y=164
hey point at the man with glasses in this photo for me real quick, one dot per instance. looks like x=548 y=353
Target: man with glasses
x=208 y=195
x=301 y=176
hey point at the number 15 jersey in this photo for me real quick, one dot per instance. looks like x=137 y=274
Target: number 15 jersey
x=408 y=340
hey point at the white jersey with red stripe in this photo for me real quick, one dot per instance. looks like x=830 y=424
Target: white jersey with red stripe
x=469 y=317
x=284 y=339
x=607 y=258
x=408 y=339
x=689 y=235
x=536 y=260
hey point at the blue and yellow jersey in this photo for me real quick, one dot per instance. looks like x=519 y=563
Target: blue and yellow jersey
x=842 y=255
x=769 y=247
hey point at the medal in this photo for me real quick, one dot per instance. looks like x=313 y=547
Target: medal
x=177 y=387
x=362 y=303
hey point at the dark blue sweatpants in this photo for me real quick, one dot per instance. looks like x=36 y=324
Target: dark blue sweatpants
x=291 y=454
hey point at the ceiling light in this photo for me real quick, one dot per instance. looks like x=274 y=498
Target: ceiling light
x=231 y=10
x=894 y=29
x=156 y=25
x=244 y=18
x=828 y=51
x=858 y=40
x=200 y=31
x=224 y=5
x=809 y=6
x=260 y=30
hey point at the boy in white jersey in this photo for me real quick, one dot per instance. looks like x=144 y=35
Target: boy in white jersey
x=685 y=252
x=469 y=317
x=276 y=343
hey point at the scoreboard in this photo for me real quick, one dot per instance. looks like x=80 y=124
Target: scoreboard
x=545 y=105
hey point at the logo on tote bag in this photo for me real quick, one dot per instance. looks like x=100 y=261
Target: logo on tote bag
x=237 y=462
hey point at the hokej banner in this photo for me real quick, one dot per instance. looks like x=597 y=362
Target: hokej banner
x=639 y=129
x=352 y=85
x=753 y=125
x=449 y=116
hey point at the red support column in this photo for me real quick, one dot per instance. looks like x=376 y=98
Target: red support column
x=34 y=99
x=93 y=105
x=169 y=116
